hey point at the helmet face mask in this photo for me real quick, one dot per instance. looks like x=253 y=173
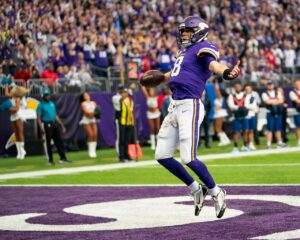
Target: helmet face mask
x=197 y=27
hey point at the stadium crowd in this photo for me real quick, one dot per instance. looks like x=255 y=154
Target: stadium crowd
x=68 y=40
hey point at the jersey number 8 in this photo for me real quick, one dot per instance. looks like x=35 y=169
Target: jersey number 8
x=177 y=66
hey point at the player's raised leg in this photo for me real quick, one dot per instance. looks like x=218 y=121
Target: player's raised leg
x=166 y=146
x=190 y=118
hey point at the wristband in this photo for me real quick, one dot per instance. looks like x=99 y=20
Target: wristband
x=226 y=74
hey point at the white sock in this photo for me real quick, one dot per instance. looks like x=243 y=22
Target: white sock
x=279 y=142
x=22 y=146
x=225 y=137
x=214 y=191
x=194 y=187
x=89 y=148
x=220 y=136
x=94 y=148
x=268 y=143
x=152 y=139
x=18 y=146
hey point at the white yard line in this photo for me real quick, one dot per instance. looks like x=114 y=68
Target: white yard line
x=140 y=164
x=146 y=185
x=256 y=165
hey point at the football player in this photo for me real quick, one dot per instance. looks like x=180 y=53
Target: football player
x=197 y=59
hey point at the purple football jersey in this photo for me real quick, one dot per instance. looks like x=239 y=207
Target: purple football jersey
x=190 y=71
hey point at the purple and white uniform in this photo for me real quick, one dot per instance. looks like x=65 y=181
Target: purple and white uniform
x=186 y=111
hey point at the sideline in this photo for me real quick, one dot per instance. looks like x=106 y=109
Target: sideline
x=140 y=164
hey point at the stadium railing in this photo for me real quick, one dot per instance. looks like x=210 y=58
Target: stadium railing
x=36 y=86
x=110 y=82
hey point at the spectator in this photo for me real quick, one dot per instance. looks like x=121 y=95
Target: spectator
x=38 y=61
x=289 y=59
x=24 y=73
x=273 y=100
x=49 y=74
x=42 y=45
x=85 y=77
x=146 y=33
x=73 y=78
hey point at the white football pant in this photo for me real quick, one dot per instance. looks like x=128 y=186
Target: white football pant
x=181 y=125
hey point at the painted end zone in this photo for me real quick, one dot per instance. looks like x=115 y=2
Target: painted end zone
x=260 y=212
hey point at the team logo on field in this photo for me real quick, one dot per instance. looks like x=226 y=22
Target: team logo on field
x=258 y=216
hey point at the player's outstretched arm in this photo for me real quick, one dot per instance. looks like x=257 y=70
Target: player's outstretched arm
x=224 y=71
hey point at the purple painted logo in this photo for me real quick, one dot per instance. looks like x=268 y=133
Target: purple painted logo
x=254 y=212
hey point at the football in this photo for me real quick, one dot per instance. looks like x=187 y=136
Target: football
x=152 y=78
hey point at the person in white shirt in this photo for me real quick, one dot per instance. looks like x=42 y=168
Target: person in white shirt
x=295 y=98
x=252 y=106
x=236 y=103
x=89 y=122
x=116 y=101
x=273 y=101
x=289 y=59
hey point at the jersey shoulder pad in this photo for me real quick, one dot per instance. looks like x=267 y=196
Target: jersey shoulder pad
x=208 y=48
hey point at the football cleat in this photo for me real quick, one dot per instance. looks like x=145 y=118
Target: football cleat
x=220 y=203
x=199 y=197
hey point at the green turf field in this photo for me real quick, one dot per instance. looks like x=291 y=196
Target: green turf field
x=274 y=168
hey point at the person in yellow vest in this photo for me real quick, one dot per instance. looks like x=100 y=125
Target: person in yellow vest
x=125 y=124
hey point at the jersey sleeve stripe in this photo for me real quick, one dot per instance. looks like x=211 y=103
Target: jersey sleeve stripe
x=214 y=53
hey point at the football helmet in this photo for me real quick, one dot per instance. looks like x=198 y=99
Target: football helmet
x=196 y=26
